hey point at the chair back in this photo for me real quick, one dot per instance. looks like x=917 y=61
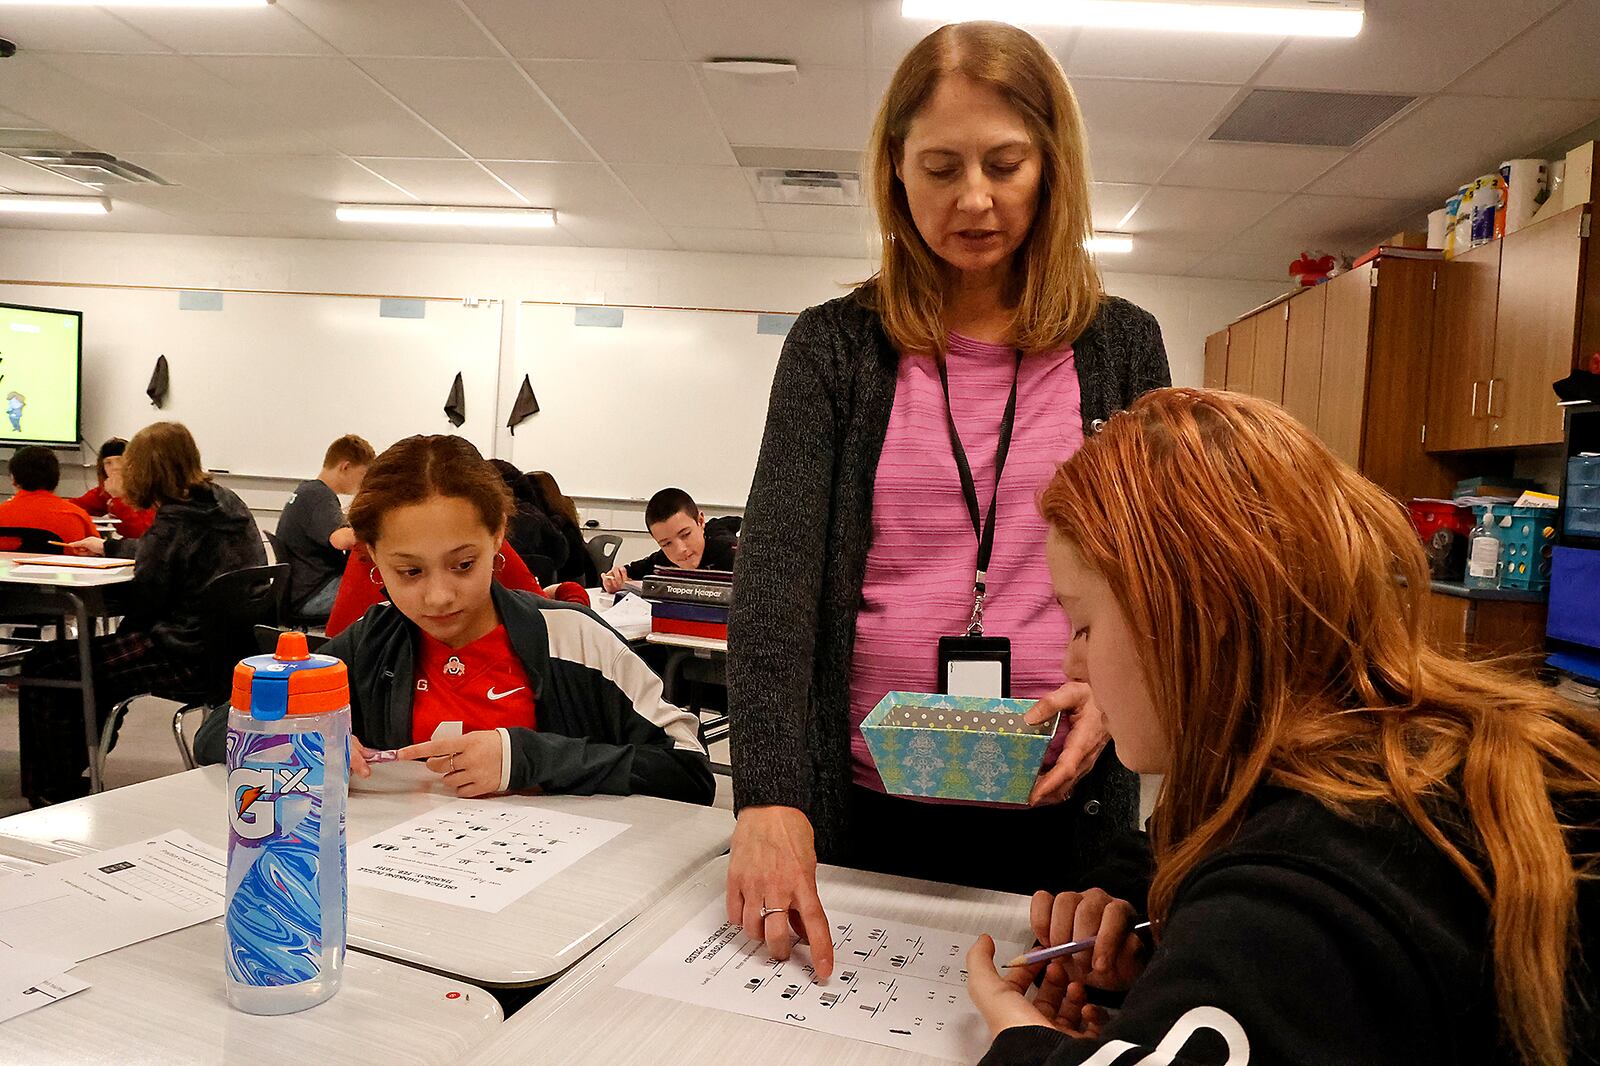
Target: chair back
x=233 y=605
x=30 y=540
x=267 y=639
x=276 y=545
x=603 y=550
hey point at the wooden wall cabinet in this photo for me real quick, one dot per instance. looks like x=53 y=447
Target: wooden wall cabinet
x=1271 y=349
x=1302 y=362
x=1484 y=629
x=1346 y=336
x=1241 y=355
x=1216 y=372
x=1464 y=312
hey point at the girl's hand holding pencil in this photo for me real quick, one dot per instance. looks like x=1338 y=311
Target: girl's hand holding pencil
x=1112 y=960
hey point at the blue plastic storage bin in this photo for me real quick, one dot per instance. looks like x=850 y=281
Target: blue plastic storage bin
x=1526 y=535
x=1583 y=470
x=1583 y=521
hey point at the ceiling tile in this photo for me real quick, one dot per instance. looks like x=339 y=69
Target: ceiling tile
x=891 y=35
x=694 y=196
x=636 y=112
x=1110 y=202
x=821 y=108
x=723 y=240
x=581 y=29
x=1448 y=141
x=1405 y=46
x=295 y=93
x=12 y=121
x=242 y=31
x=272 y=184
x=1139 y=128
x=73 y=29
x=816 y=218
x=1529 y=65
x=1213 y=57
x=1348 y=224
x=124 y=218
x=1152 y=254
x=452 y=94
x=1262 y=167
x=832 y=245
x=824 y=32
x=98 y=118
x=446 y=181
x=591 y=205
x=1199 y=218
x=1246 y=266
x=380 y=28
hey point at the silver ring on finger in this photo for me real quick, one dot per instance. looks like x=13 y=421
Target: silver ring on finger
x=452 y=763
x=765 y=910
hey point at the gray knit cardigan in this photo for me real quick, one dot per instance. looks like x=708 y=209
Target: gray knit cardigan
x=803 y=550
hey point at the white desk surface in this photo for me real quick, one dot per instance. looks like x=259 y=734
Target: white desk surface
x=67 y=576
x=683 y=640
x=584 y=1018
x=528 y=943
x=161 y=1002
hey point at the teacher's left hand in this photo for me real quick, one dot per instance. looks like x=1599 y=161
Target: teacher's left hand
x=1086 y=738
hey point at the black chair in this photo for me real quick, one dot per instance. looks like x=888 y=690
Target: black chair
x=603 y=549
x=232 y=605
x=266 y=642
x=276 y=545
x=30 y=540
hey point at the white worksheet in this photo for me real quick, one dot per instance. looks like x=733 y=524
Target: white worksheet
x=97 y=903
x=41 y=995
x=899 y=985
x=483 y=854
x=21 y=970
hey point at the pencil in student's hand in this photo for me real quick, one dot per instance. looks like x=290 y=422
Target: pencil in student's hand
x=1038 y=955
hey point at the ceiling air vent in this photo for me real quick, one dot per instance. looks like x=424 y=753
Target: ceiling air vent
x=90 y=168
x=1294 y=116
x=829 y=188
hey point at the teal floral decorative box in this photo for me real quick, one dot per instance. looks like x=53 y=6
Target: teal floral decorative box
x=955 y=747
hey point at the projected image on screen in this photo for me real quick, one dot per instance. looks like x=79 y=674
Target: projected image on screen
x=39 y=368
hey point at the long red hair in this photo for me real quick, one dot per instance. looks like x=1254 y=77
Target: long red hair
x=1280 y=592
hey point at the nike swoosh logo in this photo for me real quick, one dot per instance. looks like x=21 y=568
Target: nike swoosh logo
x=493 y=695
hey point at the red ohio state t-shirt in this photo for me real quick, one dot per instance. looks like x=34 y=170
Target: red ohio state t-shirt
x=482 y=686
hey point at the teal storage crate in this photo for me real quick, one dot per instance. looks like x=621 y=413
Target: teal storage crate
x=1526 y=535
x=956 y=747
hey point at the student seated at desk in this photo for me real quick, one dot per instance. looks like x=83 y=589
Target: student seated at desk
x=686 y=540
x=529 y=530
x=548 y=697
x=312 y=530
x=35 y=473
x=560 y=509
x=201 y=530
x=1367 y=849
x=109 y=498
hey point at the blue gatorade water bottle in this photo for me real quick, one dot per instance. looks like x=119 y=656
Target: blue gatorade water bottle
x=288 y=779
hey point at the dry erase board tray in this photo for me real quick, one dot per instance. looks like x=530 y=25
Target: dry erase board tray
x=955 y=747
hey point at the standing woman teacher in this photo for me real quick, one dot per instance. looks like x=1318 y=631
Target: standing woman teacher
x=985 y=327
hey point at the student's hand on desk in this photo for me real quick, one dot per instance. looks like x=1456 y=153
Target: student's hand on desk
x=358 y=759
x=1086 y=738
x=469 y=763
x=86 y=546
x=774 y=867
x=613 y=580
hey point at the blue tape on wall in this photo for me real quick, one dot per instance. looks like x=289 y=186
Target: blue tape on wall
x=392 y=308
x=774 y=325
x=199 y=300
x=608 y=317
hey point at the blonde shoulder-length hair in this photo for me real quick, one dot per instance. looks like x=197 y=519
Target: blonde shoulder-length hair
x=1055 y=287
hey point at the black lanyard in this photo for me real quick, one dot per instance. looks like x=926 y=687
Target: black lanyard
x=983 y=528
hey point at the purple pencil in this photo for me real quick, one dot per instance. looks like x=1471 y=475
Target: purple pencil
x=1038 y=955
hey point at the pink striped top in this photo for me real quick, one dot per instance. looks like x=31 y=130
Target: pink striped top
x=918 y=584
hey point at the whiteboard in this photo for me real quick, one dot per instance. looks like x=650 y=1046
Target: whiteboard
x=672 y=397
x=266 y=383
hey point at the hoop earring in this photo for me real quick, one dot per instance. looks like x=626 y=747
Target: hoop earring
x=499 y=561
x=375 y=577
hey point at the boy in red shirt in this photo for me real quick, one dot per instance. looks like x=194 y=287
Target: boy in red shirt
x=36 y=472
x=106 y=498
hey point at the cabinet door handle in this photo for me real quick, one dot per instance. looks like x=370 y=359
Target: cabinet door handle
x=1488 y=407
x=1474 y=399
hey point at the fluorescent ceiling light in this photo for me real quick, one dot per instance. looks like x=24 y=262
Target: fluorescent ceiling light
x=432 y=215
x=135 y=3
x=23 y=203
x=1274 y=18
x=1110 y=243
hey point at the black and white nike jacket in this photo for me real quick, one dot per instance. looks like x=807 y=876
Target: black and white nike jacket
x=1316 y=940
x=604 y=727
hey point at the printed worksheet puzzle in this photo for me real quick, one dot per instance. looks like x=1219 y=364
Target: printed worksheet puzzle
x=900 y=985
x=483 y=854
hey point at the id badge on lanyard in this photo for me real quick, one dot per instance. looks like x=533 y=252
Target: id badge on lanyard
x=970 y=663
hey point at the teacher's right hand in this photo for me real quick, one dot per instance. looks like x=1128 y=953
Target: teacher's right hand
x=774 y=868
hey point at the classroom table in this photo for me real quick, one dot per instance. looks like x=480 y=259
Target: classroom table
x=585 y=1018
x=528 y=943
x=161 y=1002
x=80 y=594
x=685 y=649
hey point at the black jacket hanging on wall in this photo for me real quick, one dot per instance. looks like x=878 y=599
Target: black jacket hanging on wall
x=455 y=405
x=159 y=380
x=525 y=407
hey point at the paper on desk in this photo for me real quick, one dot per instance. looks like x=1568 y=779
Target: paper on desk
x=483 y=854
x=97 y=903
x=629 y=616
x=21 y=970
x=41 y=995
x=895 y=984
x=80 y=562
